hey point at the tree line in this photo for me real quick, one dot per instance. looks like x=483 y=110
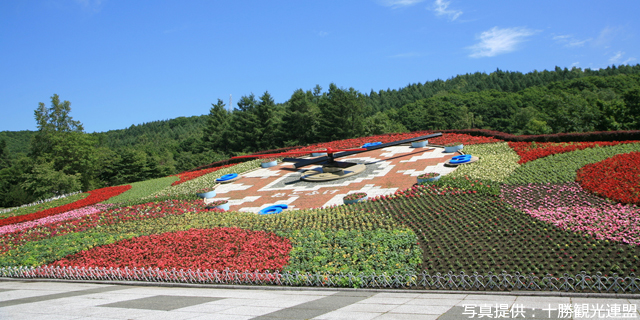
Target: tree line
x=60 y=157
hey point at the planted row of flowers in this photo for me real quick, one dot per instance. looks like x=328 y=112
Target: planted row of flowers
x=496 y=162
x=463 y=230
x=190 y=175
x=529 y=151
x=561 y=168
x=102 y=220
x=95 y=196
x=378 y=235
x=616 y=178
x=69 y=215
x=143 y=189
x=207 y=180
x=212 y=249
x=571 y=208
x=384 y=138
x=43 y=206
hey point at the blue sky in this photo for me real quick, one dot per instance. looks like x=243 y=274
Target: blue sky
x=129 y=62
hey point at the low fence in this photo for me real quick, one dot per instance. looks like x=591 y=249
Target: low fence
x=40 y=201
x=581 y=282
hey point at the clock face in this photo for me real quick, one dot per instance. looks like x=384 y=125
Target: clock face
x=386 y=171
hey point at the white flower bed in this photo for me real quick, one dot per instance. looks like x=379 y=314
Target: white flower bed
x=496 y=162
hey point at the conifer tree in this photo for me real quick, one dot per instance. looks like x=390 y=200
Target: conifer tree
x=217 y=124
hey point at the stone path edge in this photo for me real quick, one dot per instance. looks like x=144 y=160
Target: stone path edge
x=291 y=288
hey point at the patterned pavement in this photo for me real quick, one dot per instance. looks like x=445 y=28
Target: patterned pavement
x=387 y=170
x=36 y=300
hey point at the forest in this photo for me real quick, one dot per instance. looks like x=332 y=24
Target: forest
x=60 y=158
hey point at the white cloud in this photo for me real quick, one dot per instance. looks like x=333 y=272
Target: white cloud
x=323 y=33
x=398 y=3
x=498 y=41
x=570 y=41
x=606 y=36
x=617 y=57
x=441 y=7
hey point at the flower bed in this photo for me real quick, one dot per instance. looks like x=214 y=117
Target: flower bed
x=190 y=175
x=69 y=215
x=206 y=180
x=466 y=231
x=496 y=162
x=113 y=217
x=384 y=138
x=456 y=224
x=94 y=197
x=213 y=249
x=143 y=189
x=571 y=208
x=561 y=168
x=43 y=206
x=616 y=178
x=529 y=151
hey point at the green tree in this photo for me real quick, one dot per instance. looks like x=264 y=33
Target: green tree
x=244 y=126
x=632 y=101
x=60 y=141
x=5 y=161
x=301 y=118
x=217 y=124
x=380 y=123
x=12 y=192
x=44 y=181
x=52 y=120
x=342 y=114
x=268 y=130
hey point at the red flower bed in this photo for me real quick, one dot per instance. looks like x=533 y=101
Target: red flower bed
x=204 y=249
x=384 y=138
x=94 y=197
x=190 y=175
x=616 y=178
x=151 y=210
x=529 y=151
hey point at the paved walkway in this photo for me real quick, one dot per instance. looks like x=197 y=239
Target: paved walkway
x=36 y=300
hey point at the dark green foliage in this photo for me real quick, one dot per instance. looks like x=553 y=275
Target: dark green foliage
x=5 y=161
x=301 y=117
x=217 y=126
x=45 y=182
x=12 y=193
x=342 y=114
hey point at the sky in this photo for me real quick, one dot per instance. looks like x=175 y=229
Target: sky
x=123 y=63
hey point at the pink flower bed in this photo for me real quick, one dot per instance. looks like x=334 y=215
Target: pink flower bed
x=69 y=215
x=607 y=222
x=571 y=208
